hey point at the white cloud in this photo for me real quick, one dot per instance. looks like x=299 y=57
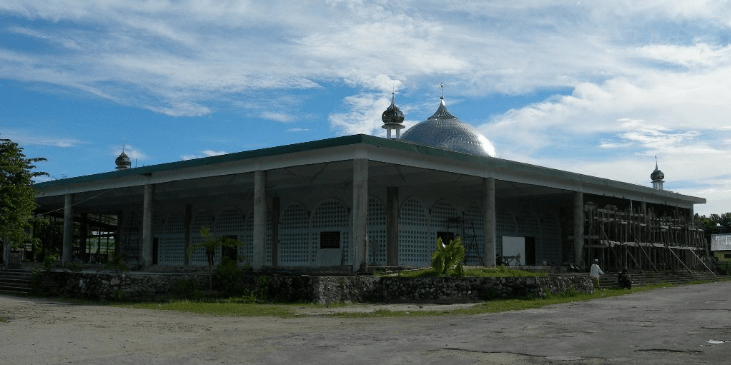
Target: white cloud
x=204 y=153
x=131 y=151
x=34 y=139
x=209 y=153
x=277 y=117
x=363 y=115
x=646 y=78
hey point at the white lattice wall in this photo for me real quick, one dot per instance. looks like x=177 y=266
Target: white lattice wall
x=441 y=212
x=130 y=237
x=528 y=224
x=550 y=247
x=294 y=246
x=474 y=230
x=415 y=244
x=171 y=249
x=376 y=233
x=202 y=219
x=331 y=216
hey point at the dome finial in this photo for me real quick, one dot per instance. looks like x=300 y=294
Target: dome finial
x=441 y=86
x=393 y=117
x=123 y=161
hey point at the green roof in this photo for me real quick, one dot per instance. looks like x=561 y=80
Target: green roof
x=488 y=162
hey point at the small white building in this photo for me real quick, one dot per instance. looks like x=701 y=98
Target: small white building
x=721 y=246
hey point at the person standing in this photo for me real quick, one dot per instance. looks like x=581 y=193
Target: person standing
x=595 y=272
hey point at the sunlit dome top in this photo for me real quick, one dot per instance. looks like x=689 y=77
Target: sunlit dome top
x=393 y=114
x=443 y=130
x=123 y=161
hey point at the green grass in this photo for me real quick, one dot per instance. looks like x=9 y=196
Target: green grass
x=480 y=272
x=247 y=307
x=505 y=305
x=2 y=320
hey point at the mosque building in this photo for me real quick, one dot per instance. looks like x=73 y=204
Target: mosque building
x=347 y=204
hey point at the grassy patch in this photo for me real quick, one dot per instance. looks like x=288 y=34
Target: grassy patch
x=481 y=272
x=505 y=305
x=2 y=319
x=249 y=306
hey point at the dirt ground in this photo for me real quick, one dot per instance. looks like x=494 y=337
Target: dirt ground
x=679 y=325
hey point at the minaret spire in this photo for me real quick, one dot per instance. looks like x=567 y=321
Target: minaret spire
x=393 y=117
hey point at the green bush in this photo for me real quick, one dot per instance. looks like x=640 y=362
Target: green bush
x=448 y=257
x=36 y=279
x=49 y=261
x=228 y=278
x=262 y=288
x=186 y=289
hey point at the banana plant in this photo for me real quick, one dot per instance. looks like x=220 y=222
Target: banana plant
x=448 y=257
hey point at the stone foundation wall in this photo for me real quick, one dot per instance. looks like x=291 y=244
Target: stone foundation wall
x=443 y=290
x=320 y=289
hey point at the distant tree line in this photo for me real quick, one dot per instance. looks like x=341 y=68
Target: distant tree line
x=715 y=224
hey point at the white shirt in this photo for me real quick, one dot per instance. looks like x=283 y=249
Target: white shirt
x=595 y=271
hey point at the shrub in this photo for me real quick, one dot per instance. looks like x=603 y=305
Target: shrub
x=36 y=279
x=186 y=289
x=228 y=277
x=49 y=261
x=447 y=257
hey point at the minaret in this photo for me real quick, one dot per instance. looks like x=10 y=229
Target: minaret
x=657 y=177
x=123 y=161
x=393 y=119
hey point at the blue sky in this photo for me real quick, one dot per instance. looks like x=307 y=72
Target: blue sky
x=599 y=88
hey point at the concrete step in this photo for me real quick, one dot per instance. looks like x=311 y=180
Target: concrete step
x=645 y=278
x=15 y=281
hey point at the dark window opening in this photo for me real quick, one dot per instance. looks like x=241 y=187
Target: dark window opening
x=727 y=256
x=530 y=251
x=330 y=239
x=155 y=250
x=446 y=237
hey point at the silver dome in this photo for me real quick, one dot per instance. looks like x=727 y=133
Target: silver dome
x=443 y=130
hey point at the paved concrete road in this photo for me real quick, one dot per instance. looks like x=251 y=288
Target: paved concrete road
x=680 y=325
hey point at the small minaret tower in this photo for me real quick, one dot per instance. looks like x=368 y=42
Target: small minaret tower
x=123 y=161
x=393 y=119
x=657 y=177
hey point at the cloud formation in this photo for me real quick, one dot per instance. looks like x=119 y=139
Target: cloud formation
x=632 y=80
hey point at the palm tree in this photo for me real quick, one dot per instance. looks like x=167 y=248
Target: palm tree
x=210 y=243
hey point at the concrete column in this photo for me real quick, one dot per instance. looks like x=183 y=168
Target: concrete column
x=68 y=228
x=392 y=205
x=83 y=233
x=578 y=228
x=490 y=222
x=147 y=226
x=260 y=220
x=187 y=239
x=118 y=233
x=360 y=214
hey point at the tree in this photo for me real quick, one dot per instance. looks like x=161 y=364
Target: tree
x=211 y=244
x=715 y=224
x=17 y=195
